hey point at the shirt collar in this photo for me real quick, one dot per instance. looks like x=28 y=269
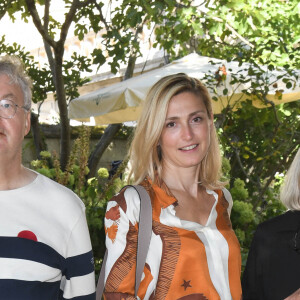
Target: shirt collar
x=163 y=194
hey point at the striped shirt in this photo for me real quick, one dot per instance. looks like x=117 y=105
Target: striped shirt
x=186 y=260
x=45 y=248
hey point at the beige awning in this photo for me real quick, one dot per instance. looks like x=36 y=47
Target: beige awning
x=121 y=102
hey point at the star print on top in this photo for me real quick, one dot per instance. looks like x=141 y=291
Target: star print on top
x=186 y=284
x=186 y=260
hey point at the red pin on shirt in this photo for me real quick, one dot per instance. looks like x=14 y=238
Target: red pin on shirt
x=26 y=234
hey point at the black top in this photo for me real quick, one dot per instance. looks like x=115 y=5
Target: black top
x=273 y=266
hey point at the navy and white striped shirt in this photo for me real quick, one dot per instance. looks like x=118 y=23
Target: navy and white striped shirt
x=45 y=248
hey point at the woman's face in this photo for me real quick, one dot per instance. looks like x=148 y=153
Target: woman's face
x=185 y=137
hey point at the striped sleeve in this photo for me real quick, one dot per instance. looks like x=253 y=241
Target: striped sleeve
x=79 y=278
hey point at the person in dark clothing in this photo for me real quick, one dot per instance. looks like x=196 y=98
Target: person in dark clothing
x=273 y=267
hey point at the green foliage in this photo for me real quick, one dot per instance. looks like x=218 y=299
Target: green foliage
x=94 y=192
x=242 y=213
x=238 y=191
x=258 y=144
x=42 y=75
x=98 y=130
x=244 y=216
x=103 y=173
x=72 y=72
x=225 y=169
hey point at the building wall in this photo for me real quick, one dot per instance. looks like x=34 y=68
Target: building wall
x=117 y=150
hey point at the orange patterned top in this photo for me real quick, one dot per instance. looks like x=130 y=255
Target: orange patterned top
x=185 y=260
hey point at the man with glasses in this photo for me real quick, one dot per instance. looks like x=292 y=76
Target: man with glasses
x=45 y=249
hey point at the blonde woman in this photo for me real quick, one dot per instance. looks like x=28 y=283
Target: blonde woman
x=273 y=265
x=193 y=253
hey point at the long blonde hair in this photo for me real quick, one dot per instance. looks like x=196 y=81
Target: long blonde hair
x=290 y=191
x=144 y=153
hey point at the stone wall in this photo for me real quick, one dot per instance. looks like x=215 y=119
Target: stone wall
x=117 y=150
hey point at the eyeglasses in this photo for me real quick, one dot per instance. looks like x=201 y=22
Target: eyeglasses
x=8 y=108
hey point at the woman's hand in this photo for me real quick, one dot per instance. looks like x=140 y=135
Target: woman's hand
x=294 y=296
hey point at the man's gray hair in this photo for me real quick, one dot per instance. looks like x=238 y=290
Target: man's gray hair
x=14 y=68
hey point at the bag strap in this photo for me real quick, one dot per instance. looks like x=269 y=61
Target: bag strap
x=101 y=280
x=144 y=236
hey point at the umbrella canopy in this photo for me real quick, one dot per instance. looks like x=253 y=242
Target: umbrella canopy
x=122 y=102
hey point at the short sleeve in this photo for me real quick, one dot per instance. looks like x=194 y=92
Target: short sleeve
x=79 y=278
